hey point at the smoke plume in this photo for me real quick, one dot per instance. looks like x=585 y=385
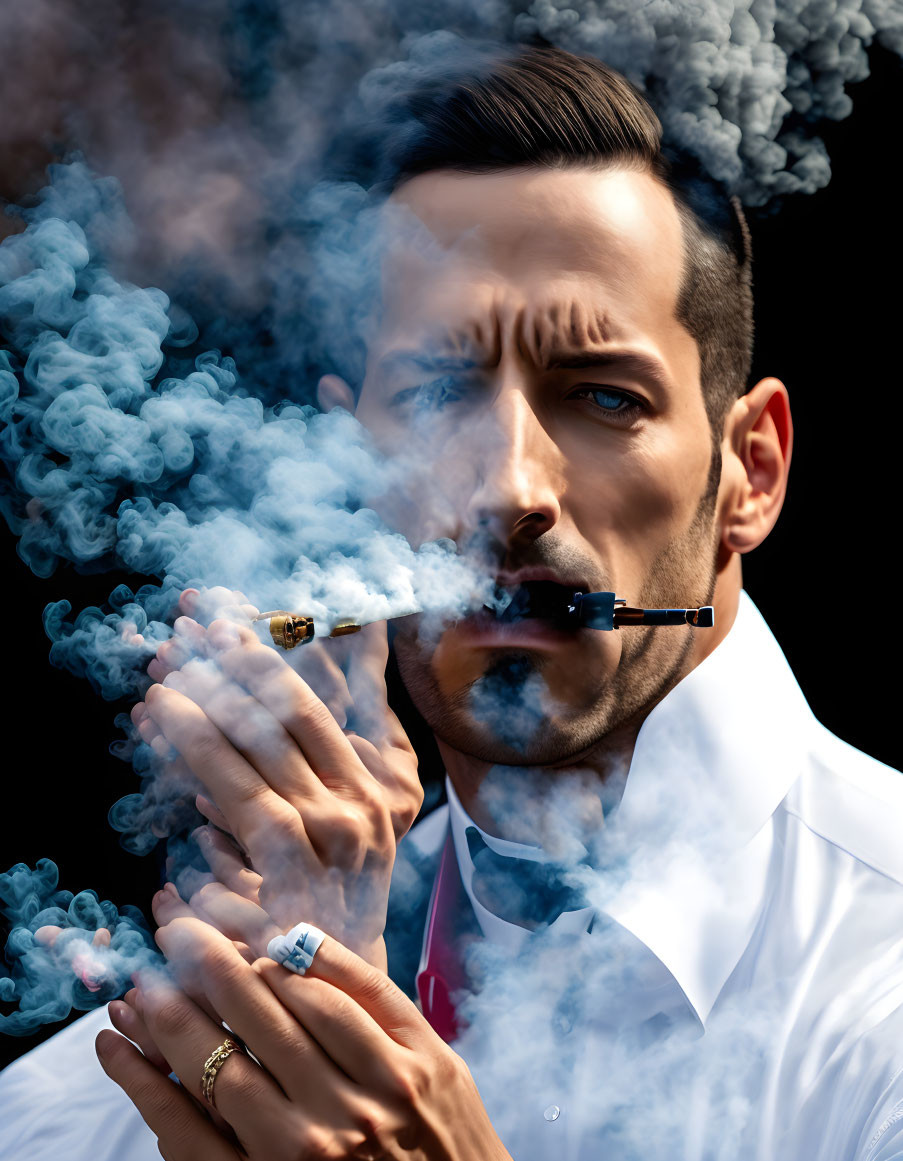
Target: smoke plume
x=169 y=431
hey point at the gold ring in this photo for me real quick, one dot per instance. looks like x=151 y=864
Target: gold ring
x=213 y=1064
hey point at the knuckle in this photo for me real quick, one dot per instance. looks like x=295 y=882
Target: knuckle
x=205 y=894
x=368 y=1121
x=205 y=747
x=313 y=717
x=282 y=825
x=412 y=1083
x=173 y=1019
x=253 y=1084
x=217 y=959
x=375 y=988
x=448 y=1069
x=347 y=830
x=313 y=1143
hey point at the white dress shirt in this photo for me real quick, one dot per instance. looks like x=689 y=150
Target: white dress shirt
x=733 y=990
x=736 y=991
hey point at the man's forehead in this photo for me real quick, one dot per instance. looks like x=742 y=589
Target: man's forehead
x=579 y=252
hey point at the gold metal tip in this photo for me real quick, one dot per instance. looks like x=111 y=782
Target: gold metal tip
x=343 y=628
x=290 y=629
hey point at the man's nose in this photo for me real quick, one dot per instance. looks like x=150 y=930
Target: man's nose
x=518 y=474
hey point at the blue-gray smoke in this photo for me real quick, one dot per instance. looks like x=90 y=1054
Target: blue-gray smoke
x=185 y=450
x=113 y=462
x=49 y=978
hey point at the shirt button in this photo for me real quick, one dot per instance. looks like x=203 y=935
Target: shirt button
x=552 y=1113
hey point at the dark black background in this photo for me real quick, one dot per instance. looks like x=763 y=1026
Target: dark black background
x=828 y=324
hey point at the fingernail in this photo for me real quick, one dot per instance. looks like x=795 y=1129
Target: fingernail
x=189 y=600
x=121 y=1014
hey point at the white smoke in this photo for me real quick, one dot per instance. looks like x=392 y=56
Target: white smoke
x=133 y=442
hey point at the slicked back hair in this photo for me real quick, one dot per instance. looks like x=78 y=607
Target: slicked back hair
x=547 y=107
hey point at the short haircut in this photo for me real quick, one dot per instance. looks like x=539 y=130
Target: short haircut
x=547 y=107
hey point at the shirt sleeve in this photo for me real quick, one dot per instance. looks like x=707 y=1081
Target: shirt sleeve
x=57 y=1102
x=884 y=1138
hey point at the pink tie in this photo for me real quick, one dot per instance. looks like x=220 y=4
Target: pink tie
x=443 y=973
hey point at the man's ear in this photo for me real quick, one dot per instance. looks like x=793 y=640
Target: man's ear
x=334 y=392
x=758 y=441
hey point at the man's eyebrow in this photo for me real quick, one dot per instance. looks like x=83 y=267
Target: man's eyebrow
x=426 y=360
x=633 y=362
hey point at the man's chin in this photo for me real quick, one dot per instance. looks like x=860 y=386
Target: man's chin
x=510 y=706
x=549 y=744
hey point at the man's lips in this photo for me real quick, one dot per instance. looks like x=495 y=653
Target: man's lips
x=508 y=580
x=485 y=628
x=535 y=599
x=533 y=607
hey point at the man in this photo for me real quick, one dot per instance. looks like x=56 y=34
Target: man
x=716 y=969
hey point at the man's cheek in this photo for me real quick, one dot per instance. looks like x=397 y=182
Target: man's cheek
x=576 y=677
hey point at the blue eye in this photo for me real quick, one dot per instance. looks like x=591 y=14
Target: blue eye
x=611 y=400
x=434 y=395
x=618 y=404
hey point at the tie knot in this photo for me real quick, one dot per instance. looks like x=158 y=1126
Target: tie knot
x=522 y=891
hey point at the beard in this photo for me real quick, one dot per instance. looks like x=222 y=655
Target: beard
x=513 y=715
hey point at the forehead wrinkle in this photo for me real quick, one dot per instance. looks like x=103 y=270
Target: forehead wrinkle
x=563 y=325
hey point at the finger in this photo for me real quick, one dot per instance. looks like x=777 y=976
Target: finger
x=292 y=703
x=316 y=665
x=383 y=745
x=395 y=769
x=167 y=904
x=127 y=1021
x=384 y=756
x=191 y=635
x=226 y=862
x=250 y=728
x=172 y=654
x=47 y=935
x=366 y=985
x=346 y=1032
x=250 y=805
x=209 y=604
x=366 y=676
x=212 y=812
x=183 y=1131
x=236 y=917
x=148 y=730
x=251 y=1009
x=248 y=1099
x=187 y=879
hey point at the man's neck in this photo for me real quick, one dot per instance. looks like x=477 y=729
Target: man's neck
x=524 y=803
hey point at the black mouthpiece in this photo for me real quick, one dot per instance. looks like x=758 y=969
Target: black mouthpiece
x=605 y=611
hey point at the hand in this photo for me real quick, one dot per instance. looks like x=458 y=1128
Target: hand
x=348 y=1067
x=316 y=810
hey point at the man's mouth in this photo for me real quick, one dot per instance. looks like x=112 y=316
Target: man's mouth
x=534 y=600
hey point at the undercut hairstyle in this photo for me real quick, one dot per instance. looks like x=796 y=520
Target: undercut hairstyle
x=548 y=107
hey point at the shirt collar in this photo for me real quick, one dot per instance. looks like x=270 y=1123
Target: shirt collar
x=690 y=840
x=500 y=931
x=712 y=763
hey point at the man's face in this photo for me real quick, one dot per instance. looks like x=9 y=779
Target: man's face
x=530 y=370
